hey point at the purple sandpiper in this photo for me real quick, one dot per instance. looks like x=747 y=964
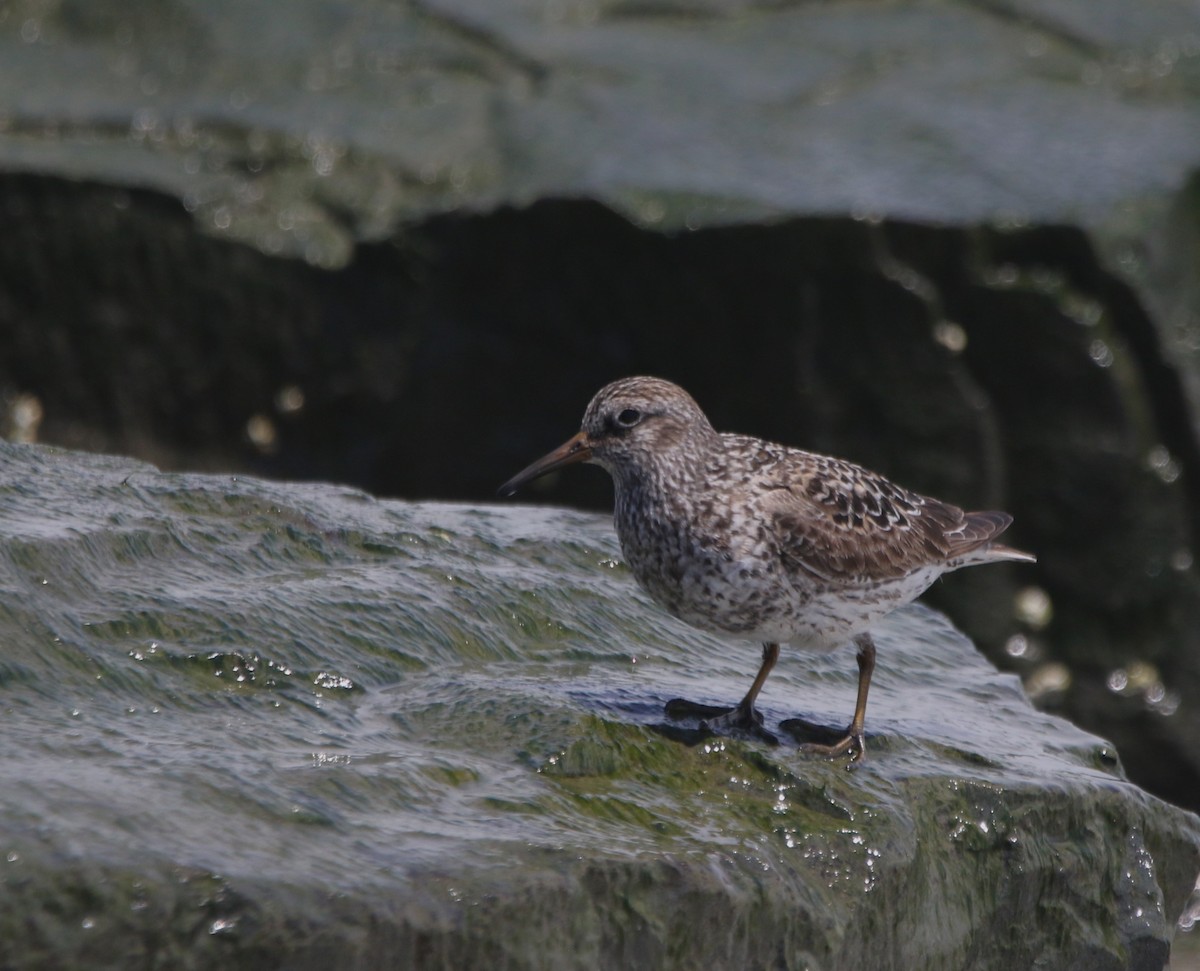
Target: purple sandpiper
x=754 y=540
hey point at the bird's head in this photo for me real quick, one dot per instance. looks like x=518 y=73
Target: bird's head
x=631 y=426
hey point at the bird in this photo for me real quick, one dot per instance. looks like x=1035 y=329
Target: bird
x=764 y=542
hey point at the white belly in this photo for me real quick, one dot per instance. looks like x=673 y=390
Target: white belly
x=774 y=609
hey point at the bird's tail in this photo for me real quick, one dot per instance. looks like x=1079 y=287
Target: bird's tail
x=973 y=540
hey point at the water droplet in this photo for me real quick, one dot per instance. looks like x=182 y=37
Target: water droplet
x=1166 y=705
x=24 y=418
x=1048 y=679
x=1162 y=463
x=327 y=680
x=1033 y=607
x=652 y=211
x=1100 y=353
x=289 y=399
x=1142 y=674
x=261 y=432
x=951 y=336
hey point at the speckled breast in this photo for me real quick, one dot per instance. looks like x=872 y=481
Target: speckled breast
x=722 y=580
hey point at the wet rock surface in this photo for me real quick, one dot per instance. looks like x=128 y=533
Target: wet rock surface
x=276 y=725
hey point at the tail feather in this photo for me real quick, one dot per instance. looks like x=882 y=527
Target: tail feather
x=998 y=551
x=973 y=539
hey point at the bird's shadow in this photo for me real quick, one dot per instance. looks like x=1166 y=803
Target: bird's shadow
x=693 y=729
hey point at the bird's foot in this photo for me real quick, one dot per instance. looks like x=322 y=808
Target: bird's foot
x=830 y=742
x=739 y=720
x=854 y=744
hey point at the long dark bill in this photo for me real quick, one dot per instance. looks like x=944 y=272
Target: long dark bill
x=569 y=452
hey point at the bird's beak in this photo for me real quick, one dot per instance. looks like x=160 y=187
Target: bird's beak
x=576 y=449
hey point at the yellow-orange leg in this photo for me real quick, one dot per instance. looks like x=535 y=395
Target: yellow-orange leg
x=744 y=716
x=769 y=656
x=855 y=743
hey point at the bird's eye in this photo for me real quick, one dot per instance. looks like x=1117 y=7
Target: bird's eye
x=629 y=417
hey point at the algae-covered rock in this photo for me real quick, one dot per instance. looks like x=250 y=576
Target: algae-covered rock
x=270 y=725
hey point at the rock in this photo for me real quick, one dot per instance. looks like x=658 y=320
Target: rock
x=256 y=724
x=956 y=242
x=358 y=119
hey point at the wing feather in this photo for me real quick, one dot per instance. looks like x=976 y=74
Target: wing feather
x=844 y=524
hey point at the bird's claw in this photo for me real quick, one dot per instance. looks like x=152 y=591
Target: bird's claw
x=840 y=741
x=854 y=743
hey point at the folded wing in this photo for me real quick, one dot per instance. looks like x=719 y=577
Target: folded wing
x=845 y=525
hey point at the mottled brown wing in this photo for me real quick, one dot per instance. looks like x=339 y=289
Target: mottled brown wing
x=845 y=524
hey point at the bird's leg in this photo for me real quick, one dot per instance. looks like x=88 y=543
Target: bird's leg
x=854 y=742
x=743 y=716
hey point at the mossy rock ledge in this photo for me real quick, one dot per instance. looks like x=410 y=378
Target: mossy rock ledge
x=257 y=725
